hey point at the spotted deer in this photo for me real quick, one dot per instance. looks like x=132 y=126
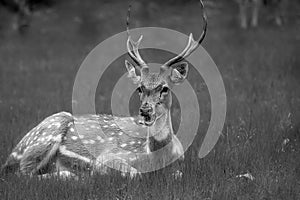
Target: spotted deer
x=64 y=142
x=276 y=7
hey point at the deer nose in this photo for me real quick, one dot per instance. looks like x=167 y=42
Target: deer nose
x=146 y=110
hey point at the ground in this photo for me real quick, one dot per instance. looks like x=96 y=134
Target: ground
x=260 y=69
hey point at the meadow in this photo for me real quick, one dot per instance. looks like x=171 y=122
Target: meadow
x=260 y=69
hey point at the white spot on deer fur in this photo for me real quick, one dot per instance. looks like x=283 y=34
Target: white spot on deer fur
x=110 y=138
x=70 y=124
x=132 y=142
x=120 y=133
x=131 y=118
x=51 y=120
x=132 y=158
x=57 y=138
x=49 y=126
x=85 y=142
x=14 y=154
x=113 y=125
x=92 y=141
x=49 y=137
x=19 y=156
x=93 y=126
x=74 y=138
x=137 y=133
x=81 y=136
x=123 y=145
x=72 y=130
x=44 y=133
x=105 y=126
x=139 y=142
x=58 y=124
x=86 y=128
x=99 y=138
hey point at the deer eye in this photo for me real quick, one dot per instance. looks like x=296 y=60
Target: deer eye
x=164 y=90
x=139 y=90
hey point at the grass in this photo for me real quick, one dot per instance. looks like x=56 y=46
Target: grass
x=260 y=69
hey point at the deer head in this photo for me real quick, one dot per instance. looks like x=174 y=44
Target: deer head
x=154 y=88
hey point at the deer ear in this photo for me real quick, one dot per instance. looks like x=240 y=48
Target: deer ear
x=179 y=72
x=131 y=72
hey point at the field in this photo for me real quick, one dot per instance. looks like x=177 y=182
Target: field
x=260 y=68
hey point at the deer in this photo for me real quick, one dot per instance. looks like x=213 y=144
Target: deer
x=23 y=13
x=277 y=7
x=74 y=143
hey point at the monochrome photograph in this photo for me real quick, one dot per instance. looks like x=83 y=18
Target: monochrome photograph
x=150 y=100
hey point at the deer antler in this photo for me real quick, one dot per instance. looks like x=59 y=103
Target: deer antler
x=133 y=48
x=192 y=45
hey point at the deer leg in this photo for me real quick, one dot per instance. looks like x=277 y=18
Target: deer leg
x=22 y=16
x=116 y=162
x=47 y=158
x=38 y=160
x=280 y=12
x=243 y=14
x=255 y=11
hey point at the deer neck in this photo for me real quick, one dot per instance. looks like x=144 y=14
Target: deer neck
x=160 y=133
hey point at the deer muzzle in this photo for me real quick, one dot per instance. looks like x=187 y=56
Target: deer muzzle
x=147 y=112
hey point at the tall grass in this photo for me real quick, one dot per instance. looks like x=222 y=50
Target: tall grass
x=261 y=72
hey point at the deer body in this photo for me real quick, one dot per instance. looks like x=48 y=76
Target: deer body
x=90 y=143
x=64 y=142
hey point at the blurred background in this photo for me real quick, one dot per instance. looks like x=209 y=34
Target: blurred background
x=255 y=44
